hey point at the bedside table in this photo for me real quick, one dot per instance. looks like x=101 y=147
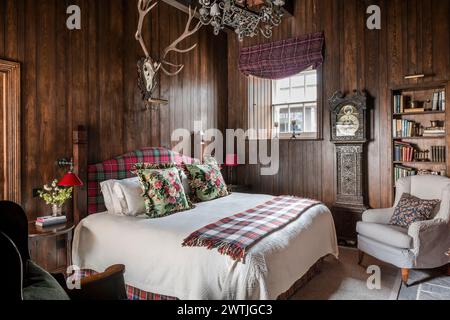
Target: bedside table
x=36 y=233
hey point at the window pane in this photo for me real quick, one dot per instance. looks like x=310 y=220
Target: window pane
x=283 y=83
x=281 y=115
x=283 y=95
x=298 y=81
x=297 y=115
x=311 y=79
x=310 y=118
x=297 y=95
x=311 y=93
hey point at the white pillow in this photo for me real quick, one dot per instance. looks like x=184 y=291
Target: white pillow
x=129 y=195
x=111 y=202
x=185 y=182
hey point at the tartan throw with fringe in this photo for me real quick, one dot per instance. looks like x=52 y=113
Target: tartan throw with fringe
x=120 y=168
x=234 y=235
x=132 y=292
x=282 y=59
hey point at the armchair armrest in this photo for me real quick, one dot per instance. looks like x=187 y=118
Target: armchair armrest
x=12 y=270
x=431 y=240
x=108 y=285
x=381 y=216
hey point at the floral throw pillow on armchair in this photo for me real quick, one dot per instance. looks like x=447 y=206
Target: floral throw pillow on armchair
x=411 y=209
x=163 y=191
x=206 y=180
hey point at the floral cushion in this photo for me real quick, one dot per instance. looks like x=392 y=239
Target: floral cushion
x=206 y=180
x=411 y=209
x=163 y=191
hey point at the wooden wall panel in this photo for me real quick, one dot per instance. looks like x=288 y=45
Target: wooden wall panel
x=89 y=77
x=413 y=39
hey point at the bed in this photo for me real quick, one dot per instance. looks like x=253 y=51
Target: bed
x=158 y=267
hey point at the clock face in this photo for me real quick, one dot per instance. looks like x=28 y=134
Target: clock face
x=347 y=123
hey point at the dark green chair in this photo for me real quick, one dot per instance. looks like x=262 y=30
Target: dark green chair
x=25 y=280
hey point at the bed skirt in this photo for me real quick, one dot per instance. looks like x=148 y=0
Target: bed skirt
x=138 y=294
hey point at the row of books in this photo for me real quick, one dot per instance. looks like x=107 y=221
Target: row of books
x=50 y=221
x=404 y=128
x=403 y=152
x=401 y=172
x=399 y=103
x=438 y=154
x=438 y=102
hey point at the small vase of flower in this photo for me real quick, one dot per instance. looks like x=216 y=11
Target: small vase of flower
x=55 y=196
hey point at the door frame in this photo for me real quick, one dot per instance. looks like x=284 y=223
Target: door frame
x=11 y=130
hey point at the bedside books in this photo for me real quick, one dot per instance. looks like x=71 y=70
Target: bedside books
x=50 y=221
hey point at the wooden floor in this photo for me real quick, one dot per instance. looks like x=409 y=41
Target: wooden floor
x=426 y=285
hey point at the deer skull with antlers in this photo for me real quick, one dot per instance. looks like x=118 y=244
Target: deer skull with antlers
x=148 y=67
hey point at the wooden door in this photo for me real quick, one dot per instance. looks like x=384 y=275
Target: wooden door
x=10 y=186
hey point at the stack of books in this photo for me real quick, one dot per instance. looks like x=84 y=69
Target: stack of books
x=50 y=221
x=401 y=172
x=403 y=152
x=434 y=131
x=404 y=128
x=438 y=102
x=438 y=154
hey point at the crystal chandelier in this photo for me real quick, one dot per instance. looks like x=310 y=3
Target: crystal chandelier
x=238 y=15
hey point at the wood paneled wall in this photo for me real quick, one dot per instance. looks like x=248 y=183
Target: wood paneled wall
x=89 y=77
x=414 y=39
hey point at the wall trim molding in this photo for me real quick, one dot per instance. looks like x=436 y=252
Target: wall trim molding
x=10 y=104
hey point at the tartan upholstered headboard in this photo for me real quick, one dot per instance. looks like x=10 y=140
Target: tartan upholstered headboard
x=120 y=168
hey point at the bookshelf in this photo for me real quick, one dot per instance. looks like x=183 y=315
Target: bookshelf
x=419 y=130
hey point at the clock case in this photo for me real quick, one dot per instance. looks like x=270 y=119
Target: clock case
x=359 y=101
x=351 y=181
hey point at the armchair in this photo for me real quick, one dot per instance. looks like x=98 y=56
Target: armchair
x=421 y=246
x=25 y=280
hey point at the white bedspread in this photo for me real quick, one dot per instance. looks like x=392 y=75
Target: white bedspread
x=156 y=262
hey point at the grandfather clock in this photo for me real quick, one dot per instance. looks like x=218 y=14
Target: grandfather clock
x=348 y=133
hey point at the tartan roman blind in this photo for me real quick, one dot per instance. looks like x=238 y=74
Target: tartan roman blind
x=284 y=58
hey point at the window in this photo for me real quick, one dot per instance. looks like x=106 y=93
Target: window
x=295 y=98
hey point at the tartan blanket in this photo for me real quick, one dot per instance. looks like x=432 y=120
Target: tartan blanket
x=234 y=235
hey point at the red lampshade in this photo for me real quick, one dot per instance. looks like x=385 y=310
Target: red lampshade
x=231 y=160
x=70 y=180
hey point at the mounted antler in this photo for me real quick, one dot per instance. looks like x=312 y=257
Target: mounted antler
x=148 y=68
x=173 y=46
x=144 y=7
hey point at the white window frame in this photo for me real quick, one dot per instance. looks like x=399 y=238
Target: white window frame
x=301 y=104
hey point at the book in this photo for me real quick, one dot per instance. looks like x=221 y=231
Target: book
x=50 y=221
x=435 y=103
x=443 y=101
x=414 y=110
